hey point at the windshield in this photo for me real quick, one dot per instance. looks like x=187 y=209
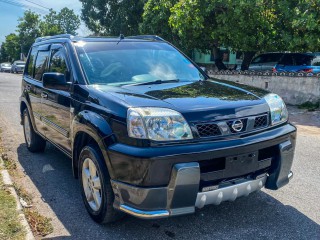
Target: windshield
x=125 y=63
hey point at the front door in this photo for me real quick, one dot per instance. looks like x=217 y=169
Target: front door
x=56 y=103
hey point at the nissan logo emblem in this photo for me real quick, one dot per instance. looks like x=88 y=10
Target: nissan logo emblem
x=237 y=125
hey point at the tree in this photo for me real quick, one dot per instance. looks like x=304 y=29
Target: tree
x=66 y=21
x=300 y=24
x=112 y=17
x=3 y=55
x=10 y=49
x=28 y=30
x=50 y=24
x=155 y=20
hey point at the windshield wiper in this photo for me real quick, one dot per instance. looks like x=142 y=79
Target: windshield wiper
x=159 y=81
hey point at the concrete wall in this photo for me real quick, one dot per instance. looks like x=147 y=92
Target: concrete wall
x=293 y=90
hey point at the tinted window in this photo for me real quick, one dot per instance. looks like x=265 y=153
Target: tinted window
x=41 y=64
x=287 y=60
x=58 y=61
x=30 y=68
x=303 y=60
x=265 y=58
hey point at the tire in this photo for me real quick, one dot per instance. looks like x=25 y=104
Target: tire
x=34 y=142
x=97 y=200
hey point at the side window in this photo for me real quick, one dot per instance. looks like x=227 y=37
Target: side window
x=30 y=66
x=287 y=60
x=58 y=61
x=41 y=64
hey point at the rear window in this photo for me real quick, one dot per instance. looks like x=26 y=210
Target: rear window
x=20 y=63
x=41 y=64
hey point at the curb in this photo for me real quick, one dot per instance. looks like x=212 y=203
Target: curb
x=9 y=184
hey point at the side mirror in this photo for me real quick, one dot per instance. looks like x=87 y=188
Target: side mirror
x=56 y=81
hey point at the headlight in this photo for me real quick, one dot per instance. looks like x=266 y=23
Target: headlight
x=278 y=109
x=158 y=124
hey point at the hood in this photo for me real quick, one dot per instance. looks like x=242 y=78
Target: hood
x=208 y=100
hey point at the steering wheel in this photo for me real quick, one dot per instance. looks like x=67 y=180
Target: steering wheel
x=112 y=69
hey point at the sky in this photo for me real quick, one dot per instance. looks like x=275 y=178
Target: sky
x=10 y=13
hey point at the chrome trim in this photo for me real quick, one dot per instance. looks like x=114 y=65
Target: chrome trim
x=59 y=129
x=225 y=130
x=290 y=175
x=144 y=214
x=37 y=115
x=229 y=193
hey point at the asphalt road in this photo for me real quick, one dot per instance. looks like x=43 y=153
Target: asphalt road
x=292 y=212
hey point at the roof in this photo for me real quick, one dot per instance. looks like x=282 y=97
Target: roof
x=93 y=38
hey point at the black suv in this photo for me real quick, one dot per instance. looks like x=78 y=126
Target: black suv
x=148 y=132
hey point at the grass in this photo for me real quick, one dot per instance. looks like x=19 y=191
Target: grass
x=40 y=225
x=10 y=227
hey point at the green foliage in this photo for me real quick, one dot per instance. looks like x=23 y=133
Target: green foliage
x=66 y=21
x=28 y=30
x=31 y=26
x=10 y=49
x=155 y=20
x=110 y=17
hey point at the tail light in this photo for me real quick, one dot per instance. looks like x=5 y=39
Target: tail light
x=307 y=70
x=274 y=69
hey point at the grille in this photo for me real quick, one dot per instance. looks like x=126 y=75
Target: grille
x=208 y=130
x=224 y=128
x=261 y=121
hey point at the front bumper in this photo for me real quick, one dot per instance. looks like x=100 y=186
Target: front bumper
x=184 y=190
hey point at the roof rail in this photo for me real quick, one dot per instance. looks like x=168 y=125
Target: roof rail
x=40 y=39
x=147 y=37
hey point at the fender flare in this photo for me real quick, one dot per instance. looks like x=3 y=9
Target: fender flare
x=95 y=126
x=26 y=101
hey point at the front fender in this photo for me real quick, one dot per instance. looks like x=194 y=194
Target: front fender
x=98 y=129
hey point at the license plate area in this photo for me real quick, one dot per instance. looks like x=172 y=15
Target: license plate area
x=242 y=164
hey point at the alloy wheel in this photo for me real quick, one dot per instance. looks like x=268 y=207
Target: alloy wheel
x=91 y=184
x=27 y=129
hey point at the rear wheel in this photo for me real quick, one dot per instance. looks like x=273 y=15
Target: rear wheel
x=35 y=143
x=96 y=189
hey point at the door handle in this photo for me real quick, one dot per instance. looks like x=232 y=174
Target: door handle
x=44 y=95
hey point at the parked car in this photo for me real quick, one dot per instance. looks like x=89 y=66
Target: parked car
x=298 y=62
x=18 y=67
x=265 y=61
x=148 y=132
x=5 y=67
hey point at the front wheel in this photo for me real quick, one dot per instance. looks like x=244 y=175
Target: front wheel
x=35 y=143
x=96 y=189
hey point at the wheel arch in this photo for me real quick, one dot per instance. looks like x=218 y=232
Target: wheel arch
x=90 y=128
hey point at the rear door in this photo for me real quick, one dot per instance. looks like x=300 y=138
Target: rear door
x=32 y=83
x=56 y=103
x=286 y=63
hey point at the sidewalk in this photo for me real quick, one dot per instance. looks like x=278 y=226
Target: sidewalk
x=7 y=185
